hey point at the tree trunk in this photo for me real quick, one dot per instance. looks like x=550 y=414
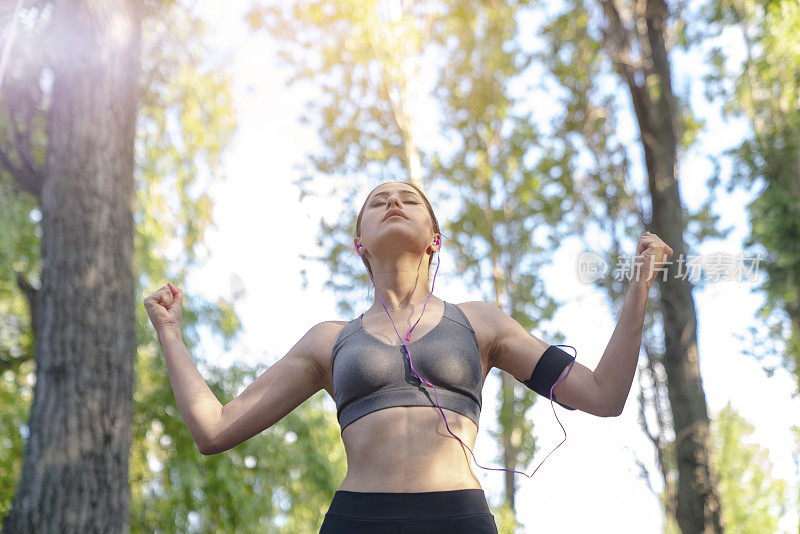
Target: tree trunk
x=75 y=470
x=658 y=116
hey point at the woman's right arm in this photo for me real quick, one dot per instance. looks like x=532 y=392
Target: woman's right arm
x=270 y=397
x=281 y=388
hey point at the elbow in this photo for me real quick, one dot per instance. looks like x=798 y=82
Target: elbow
x=210 y=448
x=208 y=444
x=615 y=411
x=207 y=449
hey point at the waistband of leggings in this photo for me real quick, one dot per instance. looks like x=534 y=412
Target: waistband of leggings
x=428 y=504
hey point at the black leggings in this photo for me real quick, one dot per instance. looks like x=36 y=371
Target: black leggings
x=431 y=512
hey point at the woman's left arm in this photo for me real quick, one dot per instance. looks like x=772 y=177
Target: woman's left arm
x=614 y=373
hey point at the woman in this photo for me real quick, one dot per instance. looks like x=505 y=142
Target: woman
x=406 y=472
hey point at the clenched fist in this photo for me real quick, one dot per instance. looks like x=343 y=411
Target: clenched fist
x=652 y=254
x=164 y=307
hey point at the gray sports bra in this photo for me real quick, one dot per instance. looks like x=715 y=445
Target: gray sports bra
x=369 y=374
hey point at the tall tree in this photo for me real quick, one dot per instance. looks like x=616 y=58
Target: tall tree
x=632 y=39
x=80 y=423
x=506 y=192
x=365 y=58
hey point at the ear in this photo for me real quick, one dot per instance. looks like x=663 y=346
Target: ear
x=436 y=245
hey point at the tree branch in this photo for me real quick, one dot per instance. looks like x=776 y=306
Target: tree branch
x=31 y=293
x=26 y=180
x=618 y=43
x=9 y=362
x=23 y=146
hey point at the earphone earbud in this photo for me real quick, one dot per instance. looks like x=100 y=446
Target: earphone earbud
x=437 y=242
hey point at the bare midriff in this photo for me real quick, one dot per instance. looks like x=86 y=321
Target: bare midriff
x=407 y=449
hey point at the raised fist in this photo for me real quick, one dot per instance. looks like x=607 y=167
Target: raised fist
x=164 y=307
x=653 y=254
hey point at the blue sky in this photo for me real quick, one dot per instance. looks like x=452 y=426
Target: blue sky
x=591 y=483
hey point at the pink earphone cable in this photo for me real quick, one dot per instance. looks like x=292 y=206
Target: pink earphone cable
x=408 y=337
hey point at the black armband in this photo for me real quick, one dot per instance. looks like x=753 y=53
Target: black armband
x=547 y=370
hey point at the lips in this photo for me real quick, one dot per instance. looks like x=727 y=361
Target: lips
x=394 y=212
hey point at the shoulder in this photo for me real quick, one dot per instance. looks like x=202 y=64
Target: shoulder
x=499 y=333
x=488 y=322
x=321 y=338
x=485 y=314
x=328 y=328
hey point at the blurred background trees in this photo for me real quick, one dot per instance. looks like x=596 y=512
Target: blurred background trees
x=185 y=120
x=446 y=95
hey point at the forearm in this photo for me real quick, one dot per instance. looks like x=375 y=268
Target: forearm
x=614 y=373
x=197 y=404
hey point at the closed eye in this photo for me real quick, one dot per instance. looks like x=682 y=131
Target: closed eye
x=406 y=202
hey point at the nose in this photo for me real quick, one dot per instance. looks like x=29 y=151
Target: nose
x=392 y=201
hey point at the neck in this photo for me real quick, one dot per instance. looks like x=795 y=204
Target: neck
x=401 y=286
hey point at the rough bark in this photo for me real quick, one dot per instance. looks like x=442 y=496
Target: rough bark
x=75 y=469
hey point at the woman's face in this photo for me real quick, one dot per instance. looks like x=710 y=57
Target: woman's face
x=413 y=231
